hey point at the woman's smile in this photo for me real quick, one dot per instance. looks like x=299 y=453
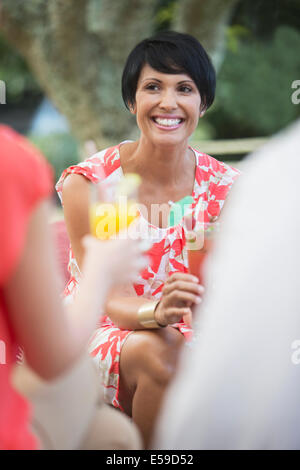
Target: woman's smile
x=167 y=122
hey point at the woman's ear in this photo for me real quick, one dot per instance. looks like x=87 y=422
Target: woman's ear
x=132 y=108
x=202 y=112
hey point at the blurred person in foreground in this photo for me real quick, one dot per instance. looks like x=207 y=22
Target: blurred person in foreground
x=243 y=374
x=61 y=382
x=168 y=83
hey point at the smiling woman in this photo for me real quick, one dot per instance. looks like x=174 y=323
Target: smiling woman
x=165 y=103
x=168 y=83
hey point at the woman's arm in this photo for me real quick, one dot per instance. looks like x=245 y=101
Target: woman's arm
x=123 y=311
x=180 y=292
x=53 y=337
x=75 y=198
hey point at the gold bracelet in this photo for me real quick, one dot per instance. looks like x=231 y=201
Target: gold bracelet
x=146 y=315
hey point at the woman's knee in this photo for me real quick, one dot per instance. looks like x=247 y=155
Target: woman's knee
x=151 y=353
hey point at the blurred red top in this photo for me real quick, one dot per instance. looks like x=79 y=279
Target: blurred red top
x=25 y=179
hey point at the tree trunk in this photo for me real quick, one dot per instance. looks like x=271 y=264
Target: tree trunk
x=207 y=21
x=76 y=49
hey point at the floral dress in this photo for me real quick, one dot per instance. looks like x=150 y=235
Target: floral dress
x=213 y=180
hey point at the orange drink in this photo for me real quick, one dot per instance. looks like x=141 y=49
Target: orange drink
x=199 y=243
x=113 y=206
x=107 y=220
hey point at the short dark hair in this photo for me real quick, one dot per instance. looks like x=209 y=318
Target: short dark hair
x=170 y=52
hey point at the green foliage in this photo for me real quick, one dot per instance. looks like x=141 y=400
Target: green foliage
x=204 y=131
x=234 y=34
x=263 y=17
x=166 y=11
x=60 y=149
x=254 y=86
x=15 y=73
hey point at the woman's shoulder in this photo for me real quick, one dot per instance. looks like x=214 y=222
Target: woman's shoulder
x=213 y=167
x=95 y=168
x=105 y=161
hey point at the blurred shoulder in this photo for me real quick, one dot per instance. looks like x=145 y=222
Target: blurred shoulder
x=93 y=169
x=21 y=161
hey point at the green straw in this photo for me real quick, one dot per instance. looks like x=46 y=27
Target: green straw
x=179 y=209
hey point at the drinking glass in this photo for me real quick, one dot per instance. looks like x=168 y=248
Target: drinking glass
x=113 y=207
x=199 y=242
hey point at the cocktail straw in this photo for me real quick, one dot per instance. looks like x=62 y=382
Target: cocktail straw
x=188 y=222
x=199 y=211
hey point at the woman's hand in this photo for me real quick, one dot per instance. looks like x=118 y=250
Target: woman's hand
x=180 y=292
x=115 y=261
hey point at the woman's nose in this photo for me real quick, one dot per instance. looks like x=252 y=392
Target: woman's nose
x=168 y=100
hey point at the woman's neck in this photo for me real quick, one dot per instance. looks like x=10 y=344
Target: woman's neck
x=158 y=164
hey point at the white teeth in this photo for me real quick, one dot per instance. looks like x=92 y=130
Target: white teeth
x=167 y=122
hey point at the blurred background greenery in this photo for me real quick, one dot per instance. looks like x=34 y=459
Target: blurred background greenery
x=261 y=61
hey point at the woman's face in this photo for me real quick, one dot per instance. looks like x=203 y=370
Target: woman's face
x=167 y=106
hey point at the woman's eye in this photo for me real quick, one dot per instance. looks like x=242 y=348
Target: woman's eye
x=185 y=89
x=152 y=87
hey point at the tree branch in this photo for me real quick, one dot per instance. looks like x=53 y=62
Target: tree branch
x=12 y=26
x=121 y=24
x=207 y=21
x=24 y=11
x=68 y=36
